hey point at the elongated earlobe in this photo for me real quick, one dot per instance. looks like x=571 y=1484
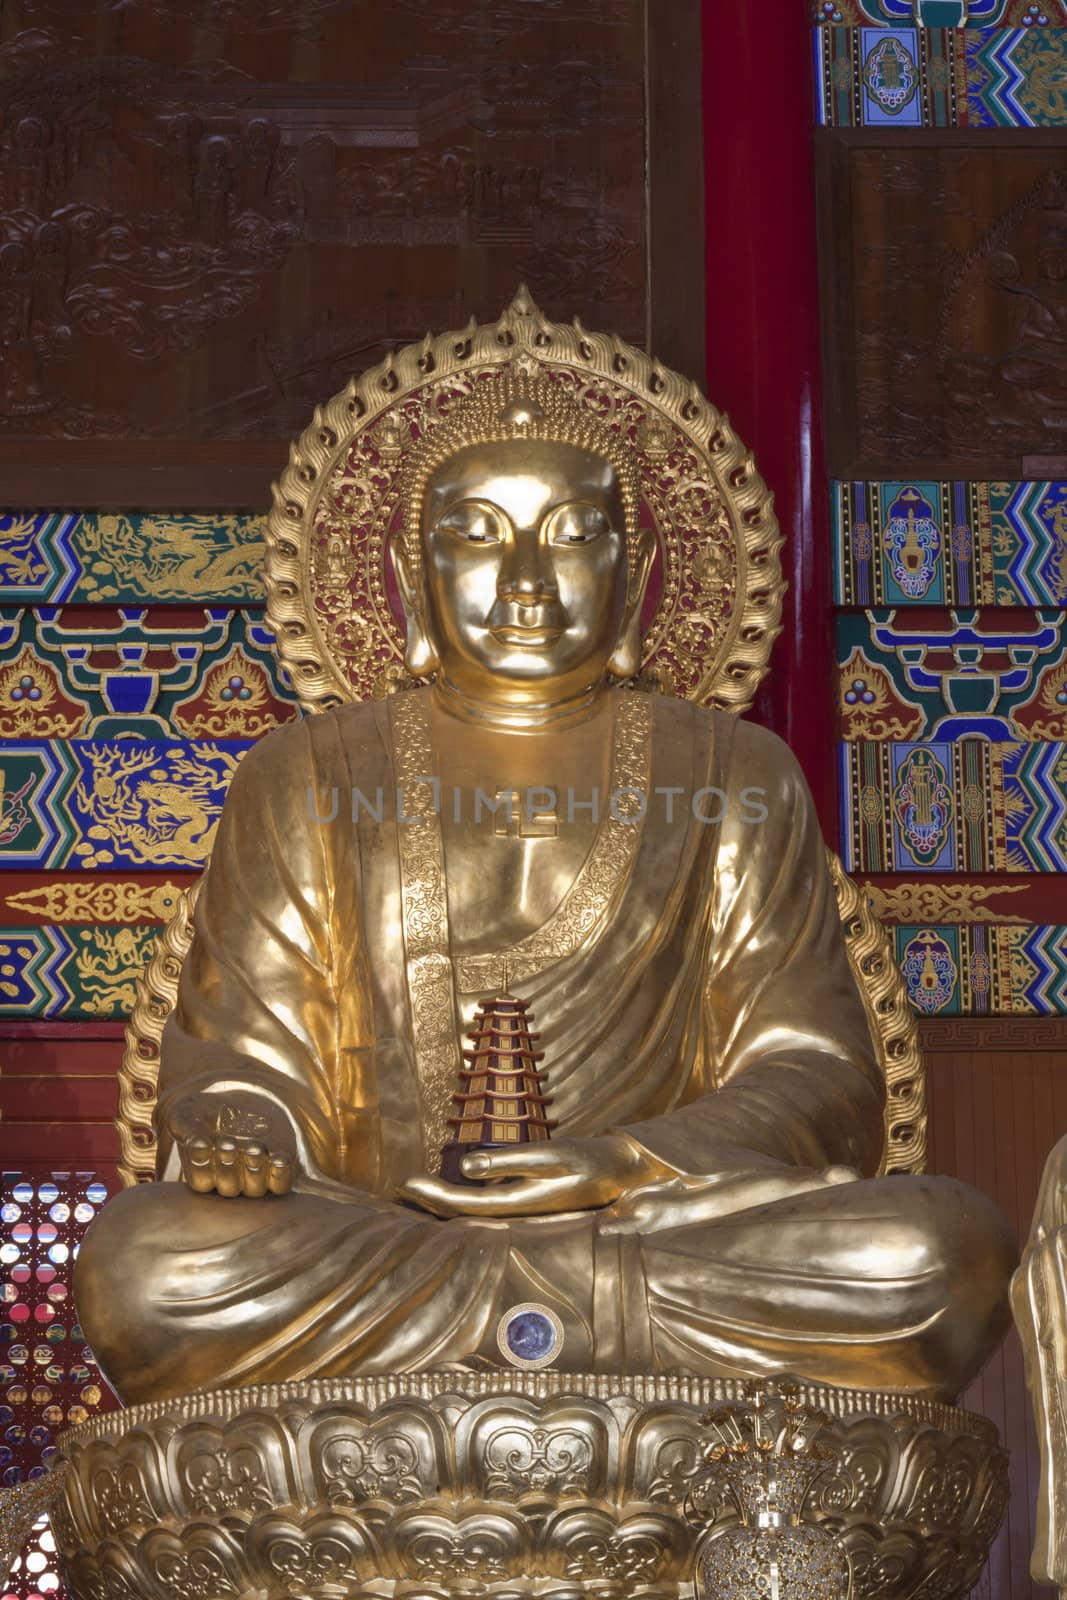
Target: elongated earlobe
x=420 y=657
x=626 y=658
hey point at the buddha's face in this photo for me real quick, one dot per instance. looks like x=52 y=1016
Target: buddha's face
x=524 y=568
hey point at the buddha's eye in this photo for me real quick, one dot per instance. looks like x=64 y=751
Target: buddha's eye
x=474 y=521
x=576 y=523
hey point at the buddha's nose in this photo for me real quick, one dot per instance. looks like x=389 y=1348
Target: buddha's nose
x=526 y=574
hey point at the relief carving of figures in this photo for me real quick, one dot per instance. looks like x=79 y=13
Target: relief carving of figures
x=510 y=16
x=239 y=15
x=1017 y=274
x=87 y=253
x=21 y=386
x=958 y=342
x=164 y=215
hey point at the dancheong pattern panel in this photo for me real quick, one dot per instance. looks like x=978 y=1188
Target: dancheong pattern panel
x=935 y=77
x=75 y=973
x=968 y=806
x=119 y=803
x=983 y=970
x=136 y=667
x=941 y=13
x=913 y=543
x=951 y=655
x=134 y=671
x=909 y=674
x=67 y=557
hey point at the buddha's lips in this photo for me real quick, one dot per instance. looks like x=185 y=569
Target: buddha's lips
x=523 y=635
x=511 y=622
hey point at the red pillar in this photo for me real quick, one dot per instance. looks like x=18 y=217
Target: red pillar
x=763 y=334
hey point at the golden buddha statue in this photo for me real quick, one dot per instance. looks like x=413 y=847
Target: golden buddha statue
x=1039 y=1303
x=647 y=867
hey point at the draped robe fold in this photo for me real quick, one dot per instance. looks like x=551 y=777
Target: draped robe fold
x=1039 y=1302
x=707 y=1010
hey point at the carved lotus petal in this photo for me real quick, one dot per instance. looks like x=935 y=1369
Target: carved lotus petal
x=293 y=1554
x=496 y=1487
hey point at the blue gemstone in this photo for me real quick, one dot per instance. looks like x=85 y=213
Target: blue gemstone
x=530 y=1336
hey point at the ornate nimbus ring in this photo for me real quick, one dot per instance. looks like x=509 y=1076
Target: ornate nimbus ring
x=714 y=600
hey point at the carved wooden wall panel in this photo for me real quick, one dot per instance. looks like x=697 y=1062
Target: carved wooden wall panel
x=212 y=212
x=944 y=259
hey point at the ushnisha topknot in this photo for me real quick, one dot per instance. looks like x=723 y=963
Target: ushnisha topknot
x=516 y=405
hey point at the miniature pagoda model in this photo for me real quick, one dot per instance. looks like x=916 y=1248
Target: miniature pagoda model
x=500 y=1099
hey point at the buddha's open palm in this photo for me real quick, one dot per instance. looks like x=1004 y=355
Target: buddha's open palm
x=233 y=1149
x=612 y=1171
x=565 y=1175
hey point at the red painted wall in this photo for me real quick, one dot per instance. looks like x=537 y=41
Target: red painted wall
x=763 y=334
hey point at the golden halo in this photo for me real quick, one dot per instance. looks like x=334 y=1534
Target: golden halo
x=717 y=585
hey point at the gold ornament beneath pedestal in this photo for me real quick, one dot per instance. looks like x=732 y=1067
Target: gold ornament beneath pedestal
x=540 y=1484
x=767 y=1455
x=21 y=1507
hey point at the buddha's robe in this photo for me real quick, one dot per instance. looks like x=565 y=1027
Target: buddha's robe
x=705 y=1007
x=1039 y=1301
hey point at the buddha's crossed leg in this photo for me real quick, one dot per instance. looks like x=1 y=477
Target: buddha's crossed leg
x=894 y=1283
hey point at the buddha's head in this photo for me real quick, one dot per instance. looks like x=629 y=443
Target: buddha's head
x=523 y=566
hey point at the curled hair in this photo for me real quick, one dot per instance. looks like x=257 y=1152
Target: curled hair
x=516 y=405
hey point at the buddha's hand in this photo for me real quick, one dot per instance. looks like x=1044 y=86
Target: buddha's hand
x=233 y=1145
x=563 y=1175
x=683 y=1201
